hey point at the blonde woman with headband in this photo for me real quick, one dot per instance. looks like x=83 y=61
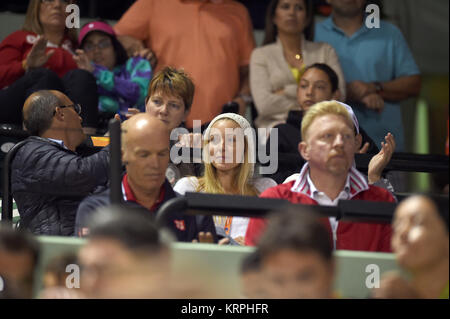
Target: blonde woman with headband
x=229 y=167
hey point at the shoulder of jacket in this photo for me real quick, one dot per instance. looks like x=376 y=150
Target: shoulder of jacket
x=265 y=50
x=318 y=46
x=97 y=200
x=377 y=193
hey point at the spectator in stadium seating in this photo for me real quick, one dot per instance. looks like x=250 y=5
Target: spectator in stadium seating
x=289 y=134
x=125 y=257
x=19 y=255
x=378 y=66
x=318 y=83
x=229 y=168
x=170 y=96
x=145 y=154
x=277 y=66
x=296 y=257
x=216 y=52
x=169 y=99
x=328 y=146
x=421 y=246
x=122 y=82
x=40 y=57
x=48 y=178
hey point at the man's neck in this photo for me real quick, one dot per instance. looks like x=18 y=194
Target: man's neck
x=329 y=184
x=146 y=198
x=348 y=24
x=59 y=134
x=430 y=282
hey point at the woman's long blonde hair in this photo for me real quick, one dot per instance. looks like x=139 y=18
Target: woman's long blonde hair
x=33 y=24
x=209 y=182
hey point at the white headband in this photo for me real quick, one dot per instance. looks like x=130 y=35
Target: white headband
x=352 y=114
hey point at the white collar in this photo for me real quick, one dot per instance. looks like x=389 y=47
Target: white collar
x=60 y=142
x=355 y=181
x=314 y=190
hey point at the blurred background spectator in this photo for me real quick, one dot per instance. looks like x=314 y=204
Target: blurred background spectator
x=19 y=255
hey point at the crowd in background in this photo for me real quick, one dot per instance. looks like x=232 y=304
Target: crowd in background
x=323 y=91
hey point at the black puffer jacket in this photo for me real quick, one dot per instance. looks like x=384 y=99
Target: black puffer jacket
x=48 y=182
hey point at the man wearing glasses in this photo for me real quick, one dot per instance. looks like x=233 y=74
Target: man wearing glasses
x=48 y=178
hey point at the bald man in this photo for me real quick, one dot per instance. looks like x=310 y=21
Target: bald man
x=48 y=178
x=145 y=154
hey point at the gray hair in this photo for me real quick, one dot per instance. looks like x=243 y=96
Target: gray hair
x=40 y=112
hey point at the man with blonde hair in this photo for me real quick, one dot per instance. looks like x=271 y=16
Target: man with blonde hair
x=328 y=176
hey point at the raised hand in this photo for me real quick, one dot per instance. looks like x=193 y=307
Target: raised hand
x=130 y=44
x=83 y=61
x=193 y=140
x=37 y=56
x=147 y=54
x=380 y=160
x=132 y=111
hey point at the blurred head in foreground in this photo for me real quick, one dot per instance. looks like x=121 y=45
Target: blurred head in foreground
x=296 y=257
x=19 y=255
x=124 y=256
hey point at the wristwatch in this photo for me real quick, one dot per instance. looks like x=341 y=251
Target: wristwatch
x=378 y=87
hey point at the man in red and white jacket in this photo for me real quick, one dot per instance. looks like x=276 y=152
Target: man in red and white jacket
x=329 y=146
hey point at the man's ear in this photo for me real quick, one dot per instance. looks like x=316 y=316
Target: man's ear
x=303 y=149
x=59 y=114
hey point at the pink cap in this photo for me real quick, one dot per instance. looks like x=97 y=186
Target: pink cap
x=95 y=26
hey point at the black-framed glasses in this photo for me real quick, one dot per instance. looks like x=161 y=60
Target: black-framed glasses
x=88 y=47
x=76 y=107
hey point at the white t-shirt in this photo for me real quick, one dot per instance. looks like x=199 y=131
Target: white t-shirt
x=238 y=224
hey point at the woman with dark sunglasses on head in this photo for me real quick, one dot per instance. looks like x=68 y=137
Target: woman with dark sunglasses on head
x=40 y=56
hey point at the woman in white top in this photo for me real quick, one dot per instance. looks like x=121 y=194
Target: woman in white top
x=277 y=66
x=228 y=155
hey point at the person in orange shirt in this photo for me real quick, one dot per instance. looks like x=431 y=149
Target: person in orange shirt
x=211 y=40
